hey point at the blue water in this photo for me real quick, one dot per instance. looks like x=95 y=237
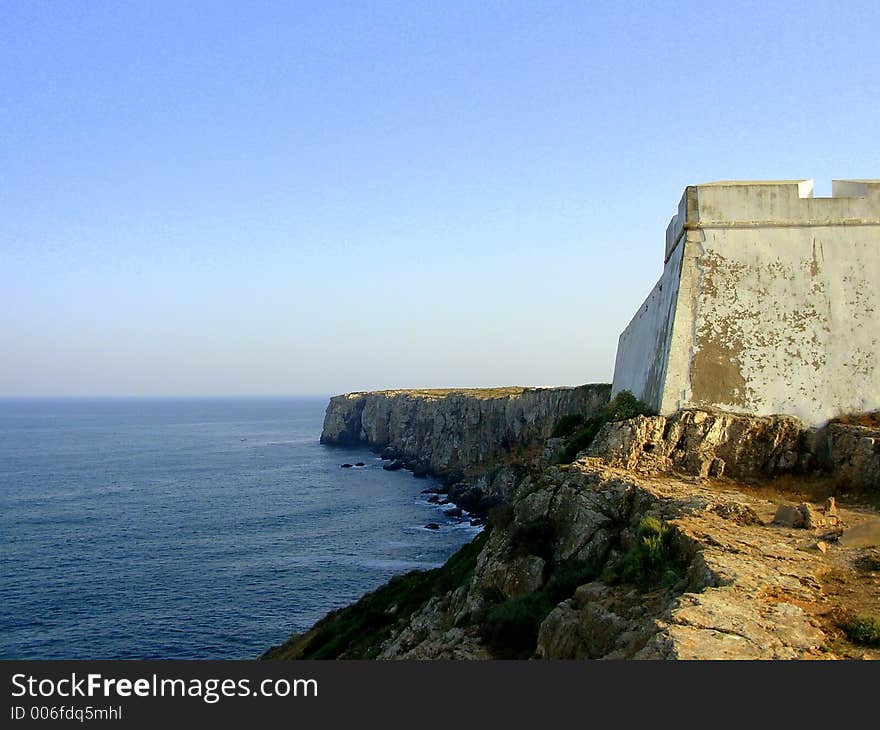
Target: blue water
x=192 y=529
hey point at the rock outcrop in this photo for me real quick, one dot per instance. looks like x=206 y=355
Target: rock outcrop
x=715 y=444
x=740 y=587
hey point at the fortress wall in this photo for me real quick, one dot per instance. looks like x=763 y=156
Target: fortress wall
x=643 y=347
x=777 y=307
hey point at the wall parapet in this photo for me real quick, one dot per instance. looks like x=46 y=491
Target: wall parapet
x=773 y=203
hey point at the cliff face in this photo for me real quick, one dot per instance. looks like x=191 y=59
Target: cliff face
x=448 y=431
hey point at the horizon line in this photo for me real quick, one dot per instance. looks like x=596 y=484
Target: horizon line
x=191 y=396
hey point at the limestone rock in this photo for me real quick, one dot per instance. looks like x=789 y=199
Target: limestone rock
x=810 y=515
x=741 y=589
x=789 y=516
x=830 y=507
x=853 y=452
x=552 y=448
x=706 y=444
x=716 y=444
x=455 y=429
x=590 y=632
x=744 y=584
x=510 y=576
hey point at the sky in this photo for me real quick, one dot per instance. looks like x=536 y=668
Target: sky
x=317 y=197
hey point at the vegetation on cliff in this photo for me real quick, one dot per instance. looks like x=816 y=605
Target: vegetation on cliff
x=862 y=629
x=621 y=408
x=510 y=627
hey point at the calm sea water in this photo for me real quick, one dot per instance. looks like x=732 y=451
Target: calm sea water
x=191 y=529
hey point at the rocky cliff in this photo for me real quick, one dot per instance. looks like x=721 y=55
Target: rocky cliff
x=474 y=440
x=699 y=536
x=449 y=430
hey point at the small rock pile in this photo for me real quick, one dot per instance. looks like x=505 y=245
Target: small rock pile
x=824 y=521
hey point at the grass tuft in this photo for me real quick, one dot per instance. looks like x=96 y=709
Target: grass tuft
x=653 y=560
x=862 y=629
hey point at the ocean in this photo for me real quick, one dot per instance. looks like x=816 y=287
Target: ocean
x=192 y=528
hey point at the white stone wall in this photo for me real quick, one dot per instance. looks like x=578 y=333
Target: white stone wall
x=775 y=301
x=643 y=347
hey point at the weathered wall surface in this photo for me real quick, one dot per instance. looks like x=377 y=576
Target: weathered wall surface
x=777 y=304
x=455 y=429
x=643 y=347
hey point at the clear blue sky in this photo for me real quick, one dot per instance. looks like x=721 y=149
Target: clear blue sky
x=260 y=198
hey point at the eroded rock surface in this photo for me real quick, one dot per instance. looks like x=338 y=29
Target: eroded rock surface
x=740 y=594
x=715 y=444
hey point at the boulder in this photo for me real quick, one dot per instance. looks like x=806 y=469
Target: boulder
x=811 y=516
x=707 y=443
x=469 y=499
x=588 y=633
x=788 y=516
x=513 y=577
x=553 y=447
x=393 y=466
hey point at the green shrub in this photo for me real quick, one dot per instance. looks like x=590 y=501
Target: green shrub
x=511 y=628
x=652 y=560
x=624 y=405
x=567 y=576
x=567 y=424
x=581 y=439
x=459 y=569
x=864 y=630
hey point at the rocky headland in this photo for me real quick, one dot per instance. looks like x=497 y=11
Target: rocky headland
x=618 y=534
x=474 y=440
